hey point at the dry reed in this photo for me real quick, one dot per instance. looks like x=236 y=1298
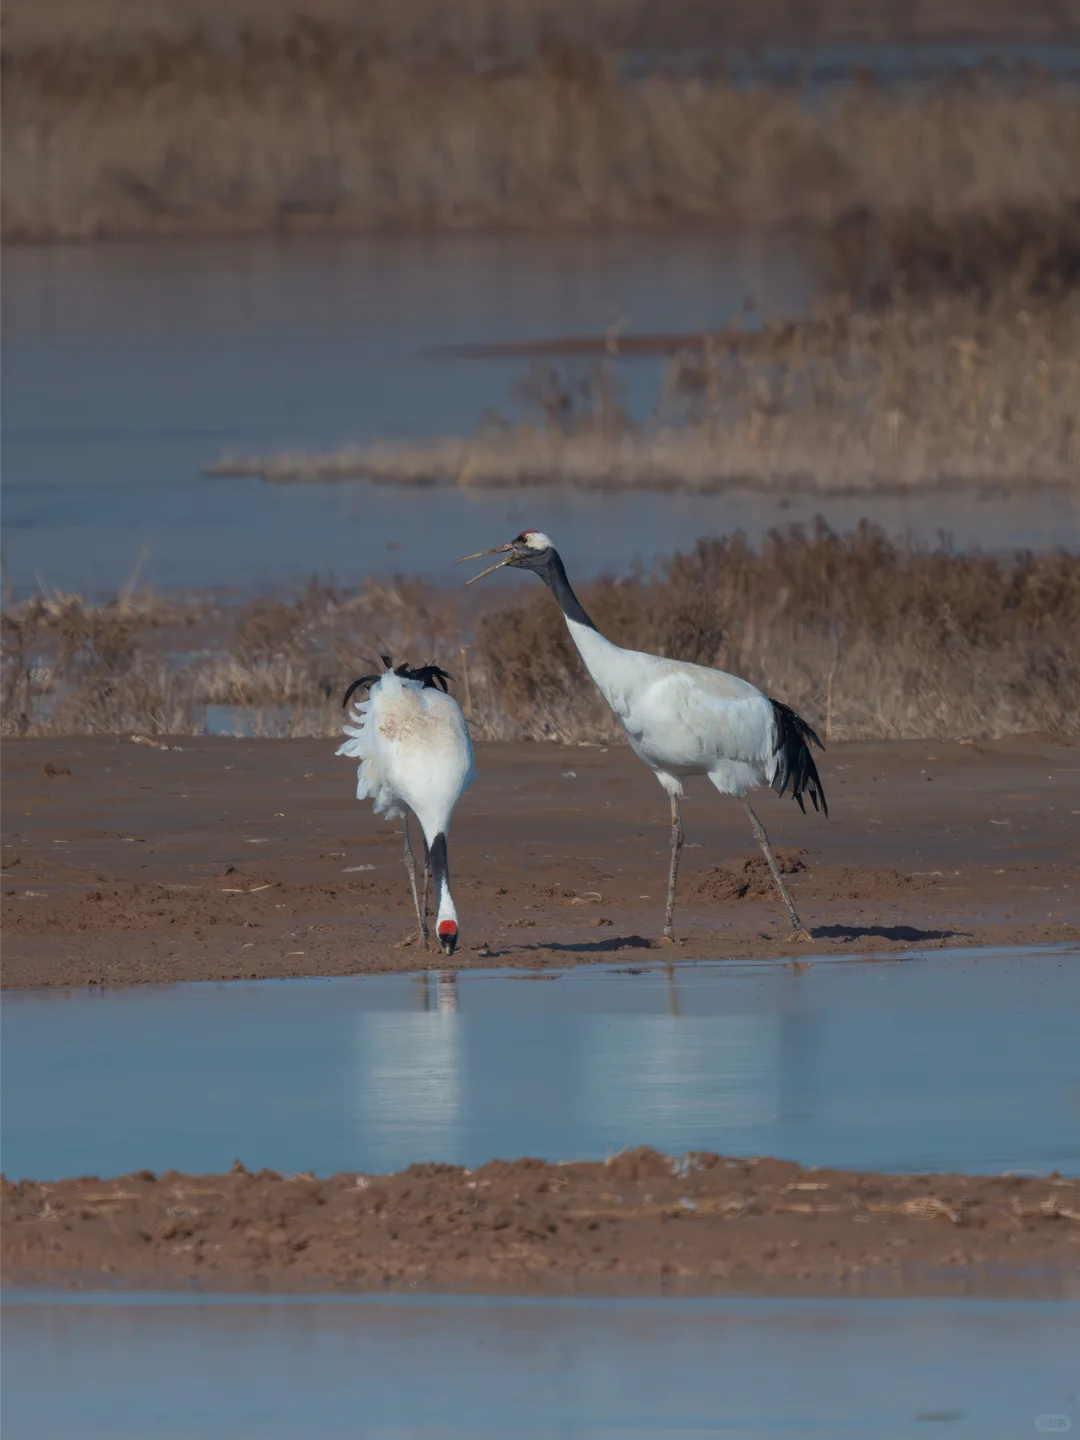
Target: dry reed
x=320 y=127
x=958 y=391
x=866 y=638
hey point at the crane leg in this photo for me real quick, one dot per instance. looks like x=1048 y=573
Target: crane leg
x=673 y=871
x=800 y=930
x=427 y=881
x=410 y=866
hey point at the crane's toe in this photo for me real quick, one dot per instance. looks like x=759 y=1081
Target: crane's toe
x=801 y=936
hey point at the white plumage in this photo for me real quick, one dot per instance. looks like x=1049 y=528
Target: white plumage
x=684 y=719
x=415 y=753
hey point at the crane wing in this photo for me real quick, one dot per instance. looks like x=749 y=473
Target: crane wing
x=683 y=720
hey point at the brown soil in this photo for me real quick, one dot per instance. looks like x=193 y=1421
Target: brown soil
x=639 y=1222
x=224 y=859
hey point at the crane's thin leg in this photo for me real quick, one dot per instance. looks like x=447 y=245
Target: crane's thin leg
x=801 y=932
x=410 y=866
x=673 y=872
x=427 y=880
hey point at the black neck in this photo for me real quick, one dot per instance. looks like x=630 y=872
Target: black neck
x=440 y=870
x=553 y=575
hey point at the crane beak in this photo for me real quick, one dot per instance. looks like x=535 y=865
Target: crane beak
x=495 y=550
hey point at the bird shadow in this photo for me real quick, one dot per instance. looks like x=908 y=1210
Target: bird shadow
x=910 y=934
x=597 y=947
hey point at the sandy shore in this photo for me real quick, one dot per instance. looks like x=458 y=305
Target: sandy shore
x=226 y=858
x=640 y=1222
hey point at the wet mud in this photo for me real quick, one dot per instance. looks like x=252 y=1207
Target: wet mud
x=639 y=1222
x=211 y=859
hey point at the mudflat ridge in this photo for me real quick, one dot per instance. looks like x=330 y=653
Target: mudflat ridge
x=642 y=1221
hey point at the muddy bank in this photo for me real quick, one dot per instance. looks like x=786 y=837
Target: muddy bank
x=226 y=859
x=641 y=1221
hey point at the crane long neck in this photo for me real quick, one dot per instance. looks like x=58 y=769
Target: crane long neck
x=554 y=577
x=446 y=918
x=605 y=661
x=440 y=869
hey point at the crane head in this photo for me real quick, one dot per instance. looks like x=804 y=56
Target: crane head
x=530 y=550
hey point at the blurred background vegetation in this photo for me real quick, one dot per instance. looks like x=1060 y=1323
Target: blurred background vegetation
x=927 y=152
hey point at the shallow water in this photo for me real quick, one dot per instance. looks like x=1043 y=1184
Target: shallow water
x=129 y=367
x=495 y=1368
x=952 y=1061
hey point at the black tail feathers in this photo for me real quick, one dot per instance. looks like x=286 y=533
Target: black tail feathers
x=431 y=677
x=795 y=765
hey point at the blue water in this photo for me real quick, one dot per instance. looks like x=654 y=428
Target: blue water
x=129 y=368
x=953 y=1061
x=470 y=1368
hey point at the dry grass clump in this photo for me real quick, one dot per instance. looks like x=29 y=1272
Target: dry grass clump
x=865 y=638
x=317 y=128
x=1004 y=253
x=956 y=391
x=269 y=667
x=73 y=668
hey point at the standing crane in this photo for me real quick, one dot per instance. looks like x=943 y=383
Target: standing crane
x=415 y=753
x=684 y=719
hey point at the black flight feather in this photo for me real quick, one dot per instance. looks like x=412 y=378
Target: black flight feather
x=796 y=762
x=431 y=677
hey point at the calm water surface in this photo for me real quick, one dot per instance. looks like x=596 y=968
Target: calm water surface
x=129 y=367
x=482 y=1368
x=952 y=1061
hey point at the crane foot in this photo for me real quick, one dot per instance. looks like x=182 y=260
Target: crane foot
x=801 y=936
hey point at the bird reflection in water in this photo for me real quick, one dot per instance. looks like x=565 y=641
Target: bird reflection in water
x=672 y=989
x=446 y=993
x=446 y=990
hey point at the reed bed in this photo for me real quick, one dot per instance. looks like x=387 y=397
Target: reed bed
x=959 y=391
x=317 y=127
x=866 y=638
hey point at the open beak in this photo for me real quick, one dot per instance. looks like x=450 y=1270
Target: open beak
x=495 y=550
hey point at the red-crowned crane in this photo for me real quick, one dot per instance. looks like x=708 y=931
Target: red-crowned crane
x=415 y=753
x=684 y=719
